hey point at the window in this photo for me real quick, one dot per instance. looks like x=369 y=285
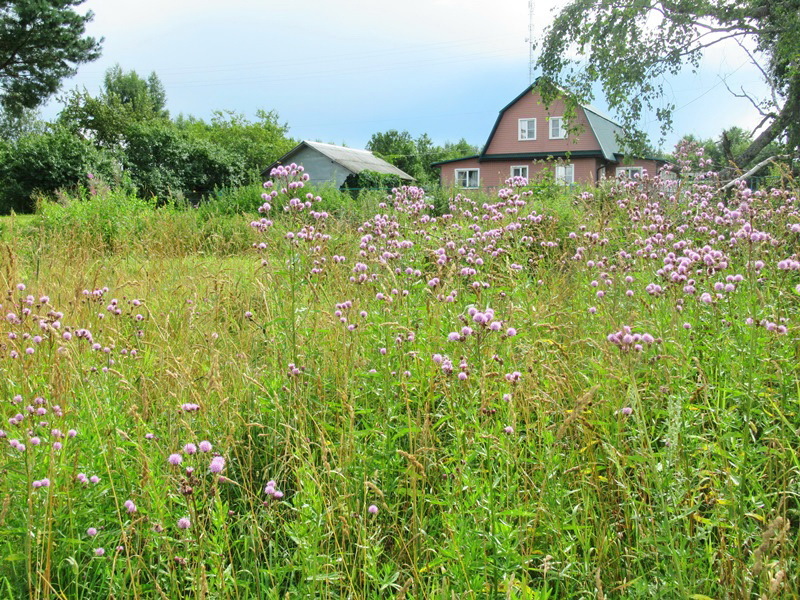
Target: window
x=557 y=131
x=468 y=178
x=629 y=172
x=527 y=129
x=565 y=174
x=521 y=171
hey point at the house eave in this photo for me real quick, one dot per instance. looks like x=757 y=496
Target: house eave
x=541 y=155
x=452 y=160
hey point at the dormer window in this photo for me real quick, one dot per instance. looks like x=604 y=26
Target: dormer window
x=527 y=129
x=557 y=131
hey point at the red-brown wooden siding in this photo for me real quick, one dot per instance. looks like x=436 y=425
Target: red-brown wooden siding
x=505 y=139
x=493 y=173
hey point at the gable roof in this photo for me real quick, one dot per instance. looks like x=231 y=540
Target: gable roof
x=604 y=128
x=352 y=159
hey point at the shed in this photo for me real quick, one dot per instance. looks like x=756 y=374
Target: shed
x=326 y=163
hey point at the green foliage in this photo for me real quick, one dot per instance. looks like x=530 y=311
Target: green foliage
x=42 y=163
x=416 y=156
x=397 y=148
x=666 y=472
x=370 y=180
x=631 y=48
x=41 y=43
x=732 y=143
x=257 y=143
x=164 y=161
x=14 y=125
x=125 y=100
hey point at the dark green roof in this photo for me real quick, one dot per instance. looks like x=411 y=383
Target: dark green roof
x=444 y=162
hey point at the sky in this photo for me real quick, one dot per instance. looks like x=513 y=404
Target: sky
x=340 y=70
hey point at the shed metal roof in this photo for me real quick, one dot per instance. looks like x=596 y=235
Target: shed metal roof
x=352 y=159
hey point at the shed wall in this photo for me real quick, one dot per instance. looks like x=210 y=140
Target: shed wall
x=319 y=167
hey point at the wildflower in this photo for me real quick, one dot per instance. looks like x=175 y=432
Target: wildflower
x=205 y=446
x=184 y=523
x=508 y=429
x=373 y=510
x=175 y=459
x=94 y=479
x=91 y=532
x=99 y=551
x=129 y=506
x=627 y=411
x=190 y=448
x=217 y=464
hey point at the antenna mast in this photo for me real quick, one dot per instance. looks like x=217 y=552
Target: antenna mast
x=530 y=40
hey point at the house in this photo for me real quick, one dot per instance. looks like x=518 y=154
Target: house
x=527 y=138
x=326 y=163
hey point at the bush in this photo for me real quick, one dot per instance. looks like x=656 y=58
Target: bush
x=370 y=180
x=42 y=163
x=164 y=161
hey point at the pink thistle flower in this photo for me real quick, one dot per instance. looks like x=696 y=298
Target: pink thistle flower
x=184 y=523
x=175 y=459
x=217 y=464
x=373 y=509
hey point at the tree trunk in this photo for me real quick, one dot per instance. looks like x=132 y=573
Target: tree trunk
x=778 y=126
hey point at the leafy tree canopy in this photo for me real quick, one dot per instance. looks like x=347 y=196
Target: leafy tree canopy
x=258 y=143
x=125 y=99
x=731 y=143
x=41 y=43
x=416 y=156
x=630 y=47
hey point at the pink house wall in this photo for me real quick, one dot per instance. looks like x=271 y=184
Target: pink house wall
x=495 y=172
x=505 y=139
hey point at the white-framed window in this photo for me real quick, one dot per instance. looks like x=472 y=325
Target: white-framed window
x=527 y=129
x=520 y=171
x=468 y=178
x=629 y=172
x=557 y=131
x=565 y=174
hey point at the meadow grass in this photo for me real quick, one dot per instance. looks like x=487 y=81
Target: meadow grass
x=549 y=394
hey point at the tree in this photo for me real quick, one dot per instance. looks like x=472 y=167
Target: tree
x=397 y=148
x=41 y=43
x=258 y=143
x=732 y=142
x=124 y=100
x=162 y=161
x=44 y=162
x=631 y=46
x=416 y=156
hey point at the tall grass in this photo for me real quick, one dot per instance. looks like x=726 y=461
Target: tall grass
x=533 y=459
